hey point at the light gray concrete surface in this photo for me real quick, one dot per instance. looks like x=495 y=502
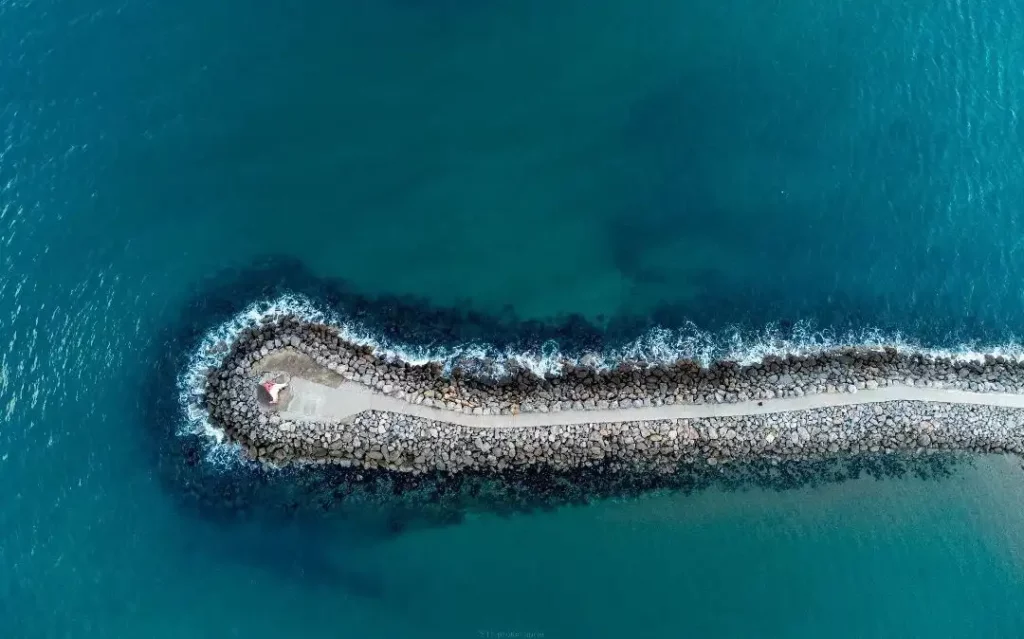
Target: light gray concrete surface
x=312 y=401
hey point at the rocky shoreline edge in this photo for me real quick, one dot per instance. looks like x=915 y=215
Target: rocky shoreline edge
x=411 y=444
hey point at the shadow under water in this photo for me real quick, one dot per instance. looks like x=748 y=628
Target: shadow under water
x=306 y=550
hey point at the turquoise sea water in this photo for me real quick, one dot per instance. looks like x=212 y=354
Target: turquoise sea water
x=596 y=168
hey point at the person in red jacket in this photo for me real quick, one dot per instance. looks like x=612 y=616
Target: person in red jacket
x=274 y=390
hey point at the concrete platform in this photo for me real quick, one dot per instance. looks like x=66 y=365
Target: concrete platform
x=315 y=401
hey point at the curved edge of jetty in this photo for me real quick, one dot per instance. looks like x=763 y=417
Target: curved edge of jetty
x=345 y=405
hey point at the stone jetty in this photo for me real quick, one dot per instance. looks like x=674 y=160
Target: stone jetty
x=347 y=405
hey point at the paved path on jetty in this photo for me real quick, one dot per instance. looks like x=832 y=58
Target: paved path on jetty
x=312 y=401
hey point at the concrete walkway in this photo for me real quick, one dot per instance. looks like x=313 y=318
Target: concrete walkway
x=312 y=401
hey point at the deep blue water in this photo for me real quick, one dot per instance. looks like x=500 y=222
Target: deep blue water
x=503 y=172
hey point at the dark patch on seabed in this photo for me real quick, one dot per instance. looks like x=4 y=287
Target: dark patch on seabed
x=376 y=503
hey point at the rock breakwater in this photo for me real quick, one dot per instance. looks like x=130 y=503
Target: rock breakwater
x=409 y=443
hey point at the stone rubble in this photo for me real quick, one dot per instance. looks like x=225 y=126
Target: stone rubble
x=409 y=444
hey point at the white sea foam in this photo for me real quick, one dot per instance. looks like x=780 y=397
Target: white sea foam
x=656 y=346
